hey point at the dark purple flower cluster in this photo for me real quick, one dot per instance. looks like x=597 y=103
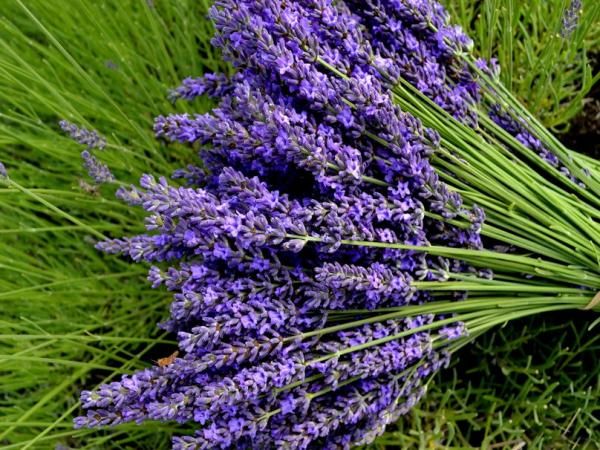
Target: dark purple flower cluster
x=305 y=157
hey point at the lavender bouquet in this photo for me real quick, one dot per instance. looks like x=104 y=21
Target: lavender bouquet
x=369 y=199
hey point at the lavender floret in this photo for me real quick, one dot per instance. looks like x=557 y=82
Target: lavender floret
x=212 y=85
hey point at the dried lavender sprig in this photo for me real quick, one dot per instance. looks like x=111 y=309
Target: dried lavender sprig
x=529 y=265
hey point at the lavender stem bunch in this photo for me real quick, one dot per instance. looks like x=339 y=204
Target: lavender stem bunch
x=354 y=170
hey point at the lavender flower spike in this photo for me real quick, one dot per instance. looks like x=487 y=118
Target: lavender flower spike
x=97 y=170
x=212 y=84
x=570 y=18
x=83 y=136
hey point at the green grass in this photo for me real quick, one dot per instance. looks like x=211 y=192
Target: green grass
x=550 y=74
x=73 y=317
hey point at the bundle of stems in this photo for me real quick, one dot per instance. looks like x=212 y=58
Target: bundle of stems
x=541 y=218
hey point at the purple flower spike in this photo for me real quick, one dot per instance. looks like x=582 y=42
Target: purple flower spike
x=570 y=18
x=96 y=169
x=212 y=84
x=83 y=136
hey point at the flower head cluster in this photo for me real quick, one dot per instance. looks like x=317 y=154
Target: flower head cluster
x=313 y=180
